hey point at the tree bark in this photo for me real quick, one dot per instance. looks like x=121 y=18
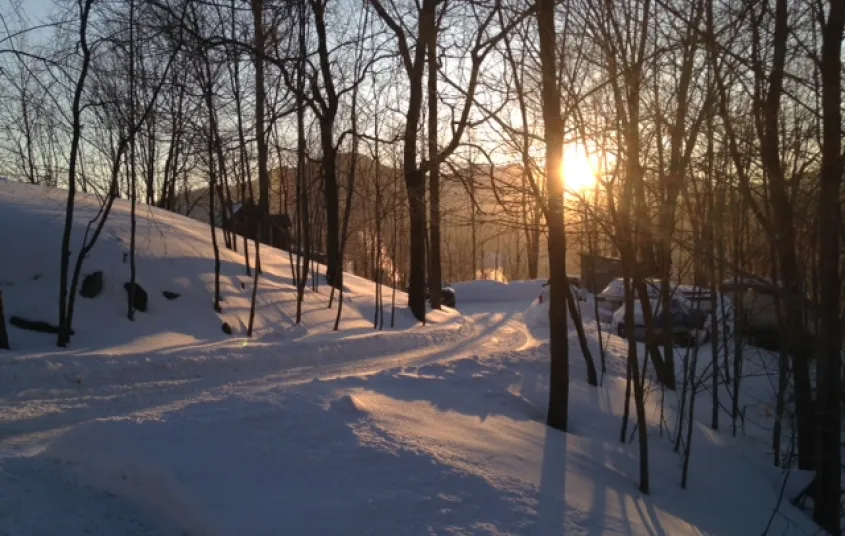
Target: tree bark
x=785 y=244
x=826 y=510
x=76 y=136
x=302 y=191
x=260 y=131
x=133 y=176
x=328 y=114
x=434 y=264
x=575 y=314
x=553 y=138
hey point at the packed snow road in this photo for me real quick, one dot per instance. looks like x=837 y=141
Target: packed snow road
x=44 y=394
x=46 y=397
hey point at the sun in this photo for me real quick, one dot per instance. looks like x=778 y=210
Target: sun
x=578 y=172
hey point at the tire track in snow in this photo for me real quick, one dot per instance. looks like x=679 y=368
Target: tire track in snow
x=78 y=390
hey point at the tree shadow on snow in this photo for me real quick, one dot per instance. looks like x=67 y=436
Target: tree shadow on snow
x=81 y=384
x=287 y=465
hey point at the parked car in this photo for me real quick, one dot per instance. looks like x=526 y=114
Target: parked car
x=760 y=316
x=447 y=295
x=702 y=298
x=689 y=325
x=612 y=297
x=691 y=309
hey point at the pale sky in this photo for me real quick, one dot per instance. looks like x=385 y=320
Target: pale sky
x=35 y=11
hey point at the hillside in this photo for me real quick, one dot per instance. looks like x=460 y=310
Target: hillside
x=174 y=254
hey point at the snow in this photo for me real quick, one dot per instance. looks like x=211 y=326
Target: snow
x=173 y=253
x=166 y=426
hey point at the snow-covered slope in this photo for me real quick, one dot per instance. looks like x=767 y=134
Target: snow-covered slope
x=173 y=254
x=166 y=426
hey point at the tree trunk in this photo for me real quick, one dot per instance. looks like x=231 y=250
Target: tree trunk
x=785 y=243
x=76 y=114
x=253 y=297
x=414 y=177
x=434 y=264
x=691 y=420
x=826 y=510
x=415 y=182
x=592 y=376
x=133 y=176
x=328 y=114
x=4 y=336
x=626 y=410
x=260 y=131
x=302 y=189
x=472 y=221
x=245 y=171
x=553 y=138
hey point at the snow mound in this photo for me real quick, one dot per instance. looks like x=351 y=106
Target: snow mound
x=126 y=472
x=537 y=316
x=349 y=404
x=174 y=254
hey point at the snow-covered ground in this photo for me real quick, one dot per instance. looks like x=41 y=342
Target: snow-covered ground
x=167 y=426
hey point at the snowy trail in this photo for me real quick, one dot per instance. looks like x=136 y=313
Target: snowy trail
x=33 y=418
x=41 y=400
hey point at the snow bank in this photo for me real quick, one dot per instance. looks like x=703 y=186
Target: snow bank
x=496 y=291
x=174 y=254
x=537 y=316
x=127 y=471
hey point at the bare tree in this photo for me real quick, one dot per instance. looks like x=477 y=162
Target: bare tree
x=65 y=310
x=826 y=510
x=553 y=125
x=413 y=62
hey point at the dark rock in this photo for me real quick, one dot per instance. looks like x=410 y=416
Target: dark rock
x=139 y=296
x=92 y=285
x=170 y=295
x=34 y=325
x=227 y=329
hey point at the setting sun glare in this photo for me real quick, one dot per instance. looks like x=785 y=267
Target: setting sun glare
x=578 y=171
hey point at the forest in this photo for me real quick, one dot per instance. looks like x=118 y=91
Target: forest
x=414 y=143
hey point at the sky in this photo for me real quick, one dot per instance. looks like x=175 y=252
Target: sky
x=35 y=12
x=35 y=9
